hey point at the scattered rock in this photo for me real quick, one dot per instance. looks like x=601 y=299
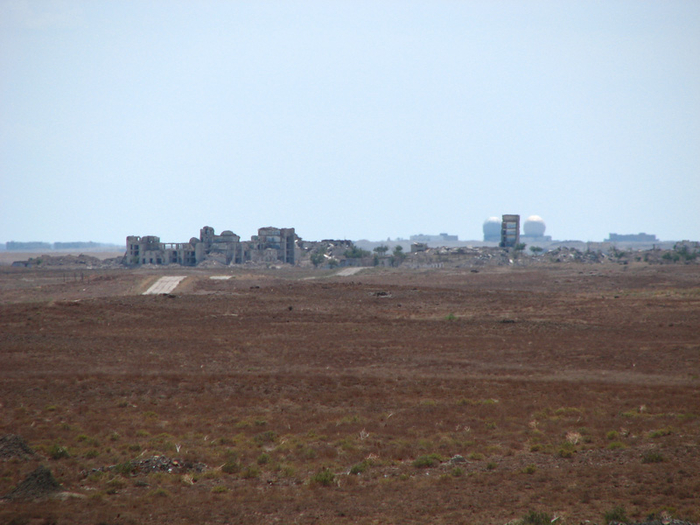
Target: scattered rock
x=457 y=459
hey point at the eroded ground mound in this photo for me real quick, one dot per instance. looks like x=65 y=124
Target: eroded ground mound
x=38 y=484
x=12 y=446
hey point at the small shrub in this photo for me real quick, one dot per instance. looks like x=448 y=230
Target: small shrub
x=630 y=413
x=359 y=468
x=530 y=469
x=219 y=489
x=94 y=477
x=652 y=457
x=612 y=435
x=535 y=518
x=565 y=452
x=91 y=454
x=265 y=437
x=251 y=472
x=125 y=469
x=309 y=453
x=263 y=459
x=159 y=493
x=616 y=445
x=58 y=452
x=491 y=465
x=450 y=317
x=476 y=456
x=427 y=461
x=457 y=472
x=231 y=467
x=616 y=514
x=325 y=478
x=660 y=433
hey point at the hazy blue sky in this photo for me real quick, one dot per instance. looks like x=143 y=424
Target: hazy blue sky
x=361 y=119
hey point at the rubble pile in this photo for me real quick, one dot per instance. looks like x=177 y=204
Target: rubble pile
x=462 y=257
x=81 y=261
x=211 y=263
x=564 y=254
x=151 y=464
x=166 y=464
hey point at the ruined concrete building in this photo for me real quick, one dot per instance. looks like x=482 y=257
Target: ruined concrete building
x=270 y=245
x=510 y=231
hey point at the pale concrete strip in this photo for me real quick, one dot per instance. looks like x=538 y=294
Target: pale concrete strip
x=165 y=284
x=220 y=277
x=346 y=272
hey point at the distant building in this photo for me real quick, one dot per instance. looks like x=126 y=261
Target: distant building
x=639 y=237
x=280 y=242
x=510 y=231
x=442 y=237
x=270 y=245
x=27 y=246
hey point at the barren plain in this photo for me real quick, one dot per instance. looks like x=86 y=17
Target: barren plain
x=388 y=396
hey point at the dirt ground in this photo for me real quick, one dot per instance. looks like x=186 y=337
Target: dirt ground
x=388 y=396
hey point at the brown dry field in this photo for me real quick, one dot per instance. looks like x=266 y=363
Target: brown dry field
x=570 y=389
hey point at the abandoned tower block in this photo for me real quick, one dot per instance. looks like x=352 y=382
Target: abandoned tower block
x=268 y=246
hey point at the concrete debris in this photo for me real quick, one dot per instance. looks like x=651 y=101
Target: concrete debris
x=81 y=261
x=151 y=464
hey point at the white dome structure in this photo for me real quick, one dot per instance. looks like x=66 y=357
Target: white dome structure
x=492 y=229
x=534 y=226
